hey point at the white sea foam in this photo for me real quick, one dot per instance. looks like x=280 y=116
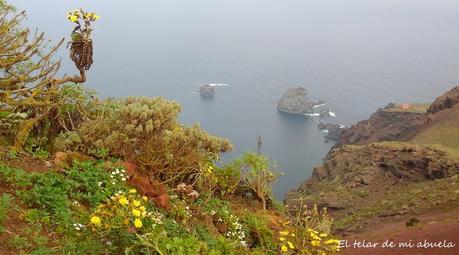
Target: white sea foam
x=318 y=105
x=218 y=84
x=312 y=114
x=332 y=114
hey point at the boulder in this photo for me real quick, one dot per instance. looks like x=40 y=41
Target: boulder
x=296 y=101
x=207 y=91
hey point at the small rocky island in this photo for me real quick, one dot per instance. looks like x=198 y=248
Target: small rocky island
x=207 y=91
x=297 y=101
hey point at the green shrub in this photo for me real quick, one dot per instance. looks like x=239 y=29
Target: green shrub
x=146 y=131
x=259 y=233
x=256 y=174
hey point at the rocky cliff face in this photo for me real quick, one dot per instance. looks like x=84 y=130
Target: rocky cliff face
x=386 y=124
x=446 y=101
x=378 y=172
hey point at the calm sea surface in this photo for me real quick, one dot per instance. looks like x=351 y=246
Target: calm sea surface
x=357 y=55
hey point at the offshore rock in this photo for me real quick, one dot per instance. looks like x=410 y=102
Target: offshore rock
x=295 y=101
x=207 y=91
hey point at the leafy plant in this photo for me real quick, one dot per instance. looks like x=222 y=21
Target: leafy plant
x=256 y=174
x=5 y=203
x=146 y=131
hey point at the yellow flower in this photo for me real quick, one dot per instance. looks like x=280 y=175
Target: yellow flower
x=145 y=198
x=284 y=248
x=136 y=212
x=132 y=191
x=332 y=241
x=283 y=233
x=281 y=239
x=96 y=17
x=142 y=208
x=292 y=234
x=323 y=235
x=315 y=243
x=123 y=200
x=290 y=245
x=312 y=231
x=73 y=18
x=96 y=220
x=138 y=223
x=136 y=203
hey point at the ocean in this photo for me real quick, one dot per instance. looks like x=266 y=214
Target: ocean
x=357 y=55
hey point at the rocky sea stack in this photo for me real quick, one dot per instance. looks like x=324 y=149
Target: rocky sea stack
x=296 y=101
x=207 y=91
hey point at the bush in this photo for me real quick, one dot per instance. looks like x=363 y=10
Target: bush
x=256 y=174
x=146 y=131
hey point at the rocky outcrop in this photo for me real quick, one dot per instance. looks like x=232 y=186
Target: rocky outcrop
x=385 y=164
x=378 y=171
x=358 y=183
x=295 y=100
x=446 y=101
x=385 y=125
x=207 y=91
x=331 y=131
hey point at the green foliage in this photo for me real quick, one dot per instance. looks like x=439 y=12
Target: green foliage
x=12 y=154
x=256 y=174
x=259 y=233
x=147 y=132
x=5 y=203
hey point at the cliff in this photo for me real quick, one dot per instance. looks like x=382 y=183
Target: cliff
x=402 y=162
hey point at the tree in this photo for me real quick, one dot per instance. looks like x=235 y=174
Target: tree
x=27 y=82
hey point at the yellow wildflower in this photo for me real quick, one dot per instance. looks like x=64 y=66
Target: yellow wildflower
x=123 y=200
x=281 y=239
x=132 y=191
x=96 y=220
x=145 y=198
x=283 y=233
x=292 y=234
x=312 y=231
x=136 y=212
x=142 y=208
x=323 y=235
x=290 y=245
x=332 y=241
x=138 y=223
x=73 y=18
x=315 y=243
x=136 y=203
x=284 y=248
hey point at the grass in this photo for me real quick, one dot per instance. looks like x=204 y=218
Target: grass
x=445 y=132
x=404 y=199
x=5 y=204
x=413 y=108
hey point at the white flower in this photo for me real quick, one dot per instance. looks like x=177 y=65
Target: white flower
x=123 y=179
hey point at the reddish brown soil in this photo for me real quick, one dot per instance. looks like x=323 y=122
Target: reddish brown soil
x=434 y=227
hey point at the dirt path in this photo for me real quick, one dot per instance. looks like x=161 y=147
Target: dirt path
x=435 y=227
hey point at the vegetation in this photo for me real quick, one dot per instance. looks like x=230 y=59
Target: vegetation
x=81 y=175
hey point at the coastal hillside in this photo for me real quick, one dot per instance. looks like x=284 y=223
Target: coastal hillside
x=399 y=169
x=84 y=175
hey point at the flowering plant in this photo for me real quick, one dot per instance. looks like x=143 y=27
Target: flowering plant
x=82 y=21
x=124 y=210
